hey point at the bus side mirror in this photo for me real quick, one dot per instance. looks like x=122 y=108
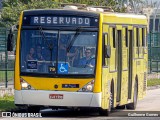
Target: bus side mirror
x=10 y=39
x=10 y=42
x=107 y=51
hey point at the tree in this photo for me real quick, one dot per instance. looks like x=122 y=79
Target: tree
x=135 y=5
x=12 y=9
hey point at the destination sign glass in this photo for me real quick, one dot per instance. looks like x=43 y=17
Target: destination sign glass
x=60 y=21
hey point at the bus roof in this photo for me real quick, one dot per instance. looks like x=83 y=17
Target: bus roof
x=126 y=15
x=109 y=17
x=94 y=13
x=61 y=12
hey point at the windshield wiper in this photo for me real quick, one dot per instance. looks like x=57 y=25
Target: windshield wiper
x=49 y=45
x=73 y=39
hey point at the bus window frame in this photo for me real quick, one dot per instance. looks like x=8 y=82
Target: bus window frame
x=144 y=34
x=137 y=37
x=126 y=37
x=88 y=29
x=104 y=43
x=114 y=36
x=114 y=32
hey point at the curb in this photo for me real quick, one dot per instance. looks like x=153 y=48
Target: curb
x=153 y=87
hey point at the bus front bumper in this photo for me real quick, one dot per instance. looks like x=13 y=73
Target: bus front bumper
x=50 y=98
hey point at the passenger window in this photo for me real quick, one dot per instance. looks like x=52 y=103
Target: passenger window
x=126 y=36
x=143 y=37
x=137 y=37
x=114 y=37
x=106 y=42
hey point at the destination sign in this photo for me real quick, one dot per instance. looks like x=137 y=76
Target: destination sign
x=56 y=20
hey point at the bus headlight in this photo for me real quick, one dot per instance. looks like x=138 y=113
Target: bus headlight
x=88 y=87
x=25 y=85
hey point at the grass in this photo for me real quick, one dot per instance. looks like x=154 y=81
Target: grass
x=10 y=75
x=153 y=82
x=7 y=103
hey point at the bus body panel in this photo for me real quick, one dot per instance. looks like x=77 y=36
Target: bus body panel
x=69 y=99
x=98 y=78
x=49 y=83
x=105 y=76
x=17 y=85
x=119 y=22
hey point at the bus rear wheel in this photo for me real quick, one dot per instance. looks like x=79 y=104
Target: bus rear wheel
x=132 y=106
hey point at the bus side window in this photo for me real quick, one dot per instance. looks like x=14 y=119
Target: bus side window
x=137 y=37
x=114 y=37
x=126 y=36
x=105 y=44
x=137 y=42
x=143 y=38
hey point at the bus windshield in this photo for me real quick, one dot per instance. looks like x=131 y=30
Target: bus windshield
x=58 y=52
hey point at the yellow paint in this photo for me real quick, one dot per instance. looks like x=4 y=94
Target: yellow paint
x=41 y=83
x=138 y=67
x=104 y=75
x=17 y=85
x=97 y=87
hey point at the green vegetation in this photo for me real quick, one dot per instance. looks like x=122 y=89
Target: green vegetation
x=12 y=8
x=7 y=103
x=10 y=75
x=153 y=82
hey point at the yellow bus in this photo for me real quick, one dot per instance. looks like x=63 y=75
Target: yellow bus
x=80 y=59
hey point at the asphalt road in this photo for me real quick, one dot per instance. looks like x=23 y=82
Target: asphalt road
x=149 y=106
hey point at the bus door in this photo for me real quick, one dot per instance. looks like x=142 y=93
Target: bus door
x=130 y=72
x=112 y=39
x=124 y=60
x=123 y=64
x=105 y=70
x=119 y=61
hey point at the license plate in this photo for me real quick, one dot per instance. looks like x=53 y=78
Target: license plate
x=55 y=96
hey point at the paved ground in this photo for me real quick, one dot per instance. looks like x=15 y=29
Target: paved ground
x=9 y=84
x=151 y=102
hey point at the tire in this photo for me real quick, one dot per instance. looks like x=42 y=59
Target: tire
x=106 y=112
x=132 y=106
x=121 y=107
x=33 y=109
